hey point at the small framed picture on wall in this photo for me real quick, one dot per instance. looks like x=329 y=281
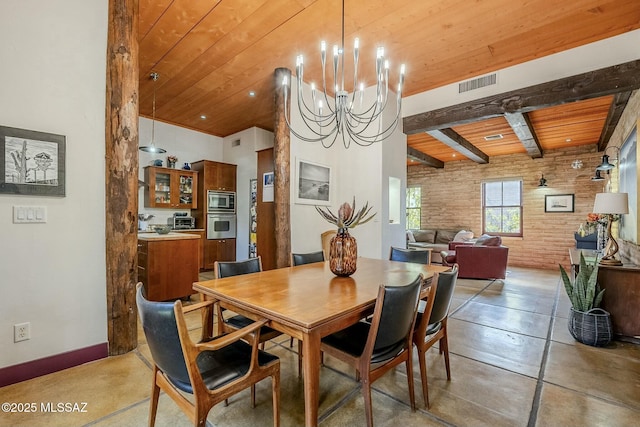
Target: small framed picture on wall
x=558 y=202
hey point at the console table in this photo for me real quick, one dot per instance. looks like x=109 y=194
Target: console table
x=622 y=296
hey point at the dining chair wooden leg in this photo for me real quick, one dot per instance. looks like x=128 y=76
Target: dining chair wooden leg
x=445 y=345
x=368 y=407
x=412 y=393
x=423 y=377
x=275 y=391
x=253 y=396
x=155 y=394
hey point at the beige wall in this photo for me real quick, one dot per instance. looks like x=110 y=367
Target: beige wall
x=452 y=196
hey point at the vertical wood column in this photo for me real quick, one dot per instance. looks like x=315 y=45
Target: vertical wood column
x=281 y=176
x=121 y=155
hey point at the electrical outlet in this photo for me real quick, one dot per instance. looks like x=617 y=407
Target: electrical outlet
x=21 y=332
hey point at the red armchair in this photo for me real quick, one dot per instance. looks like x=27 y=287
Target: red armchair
x=477 y=261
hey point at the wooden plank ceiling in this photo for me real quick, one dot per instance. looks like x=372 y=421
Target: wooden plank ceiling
x=210 y=54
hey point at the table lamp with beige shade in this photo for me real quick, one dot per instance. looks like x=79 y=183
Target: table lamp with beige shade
x=610 y=204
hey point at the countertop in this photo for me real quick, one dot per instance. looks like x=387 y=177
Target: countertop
x=155 y=237
x=182 y=230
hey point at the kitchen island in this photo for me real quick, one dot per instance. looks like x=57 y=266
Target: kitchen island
x=168 y=264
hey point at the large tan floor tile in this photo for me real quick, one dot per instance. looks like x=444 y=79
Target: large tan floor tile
x=106 y=385
x=595 y=371
x=538 y=283
x=535 y=304
x=471 y=397
x=500 y=348
x=465 y=292
x=387 y=412
x=519 y=321
x=562 y=407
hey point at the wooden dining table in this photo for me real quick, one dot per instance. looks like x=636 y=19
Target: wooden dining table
x=309 y=302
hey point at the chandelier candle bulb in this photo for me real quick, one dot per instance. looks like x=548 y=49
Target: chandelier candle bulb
x=346 y=117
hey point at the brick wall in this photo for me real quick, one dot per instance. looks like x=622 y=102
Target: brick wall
x=452 y=196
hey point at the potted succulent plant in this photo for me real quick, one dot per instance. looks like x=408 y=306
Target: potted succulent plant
x=343 y=250
x=588 y=323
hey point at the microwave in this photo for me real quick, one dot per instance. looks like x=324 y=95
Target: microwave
x=221 y=201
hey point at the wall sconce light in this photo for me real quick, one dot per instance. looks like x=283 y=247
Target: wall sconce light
x=576 y=164
x=606 y=165
x=597 y=177
x=543 y=182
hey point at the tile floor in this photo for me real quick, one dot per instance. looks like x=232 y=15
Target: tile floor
x=513 y=364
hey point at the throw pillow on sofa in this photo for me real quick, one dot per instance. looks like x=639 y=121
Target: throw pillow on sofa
x=486 y=240
x=463 y=236
x=426 y=236
x=410 y=237
x=445 y=236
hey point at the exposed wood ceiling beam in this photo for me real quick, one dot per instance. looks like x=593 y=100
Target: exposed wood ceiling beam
x=521 y=125
x=457 y=142
x=606 y=81
x=426 y=159
x=617 y=107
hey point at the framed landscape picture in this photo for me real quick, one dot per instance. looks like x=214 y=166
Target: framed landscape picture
x=313 y=183
x=32 y=163
x=558 y=202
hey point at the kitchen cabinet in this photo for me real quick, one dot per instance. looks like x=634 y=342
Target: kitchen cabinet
x=219 y=250
x=199 y=232
x=170 y=188
x=215 y=176
x=168 y=264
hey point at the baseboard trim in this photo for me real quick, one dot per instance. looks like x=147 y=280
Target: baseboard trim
x=47 y=365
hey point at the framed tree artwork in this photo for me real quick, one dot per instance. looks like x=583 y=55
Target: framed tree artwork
x=32 y=163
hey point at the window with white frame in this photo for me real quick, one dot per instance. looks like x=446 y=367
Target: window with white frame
x=414 y=207
x=502 y=207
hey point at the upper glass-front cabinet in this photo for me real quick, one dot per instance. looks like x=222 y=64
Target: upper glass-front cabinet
x=170 y=188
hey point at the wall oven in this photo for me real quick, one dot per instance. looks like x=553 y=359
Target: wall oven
x=220 y=226
x=221 y=202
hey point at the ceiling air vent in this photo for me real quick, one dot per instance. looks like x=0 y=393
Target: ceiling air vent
x=493 y=137
x=488 y=80
x=235 y=143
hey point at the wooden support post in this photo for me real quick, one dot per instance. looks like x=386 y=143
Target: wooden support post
x=281 y=148
x=121 y=154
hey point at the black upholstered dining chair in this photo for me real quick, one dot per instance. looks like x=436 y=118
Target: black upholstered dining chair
x=431 y=324
x=211 y=370
x=228 y=324
x=377 y=347
x=409 y=255
x=301 y=259
x=308 y=258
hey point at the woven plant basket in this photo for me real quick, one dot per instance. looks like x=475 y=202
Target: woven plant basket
x=592 y=327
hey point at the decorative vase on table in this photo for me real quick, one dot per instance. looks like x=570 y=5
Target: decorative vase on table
x=343 y=250
x=343 y=253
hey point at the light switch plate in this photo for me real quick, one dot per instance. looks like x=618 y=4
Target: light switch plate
x=29 y=214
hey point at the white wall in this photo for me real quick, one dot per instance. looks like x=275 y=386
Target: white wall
x=188 y=145
x=244 y=155
x=52 y=80
x=357 y=171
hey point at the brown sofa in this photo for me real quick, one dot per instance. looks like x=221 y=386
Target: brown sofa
x=436 y=239
x=484 y=259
